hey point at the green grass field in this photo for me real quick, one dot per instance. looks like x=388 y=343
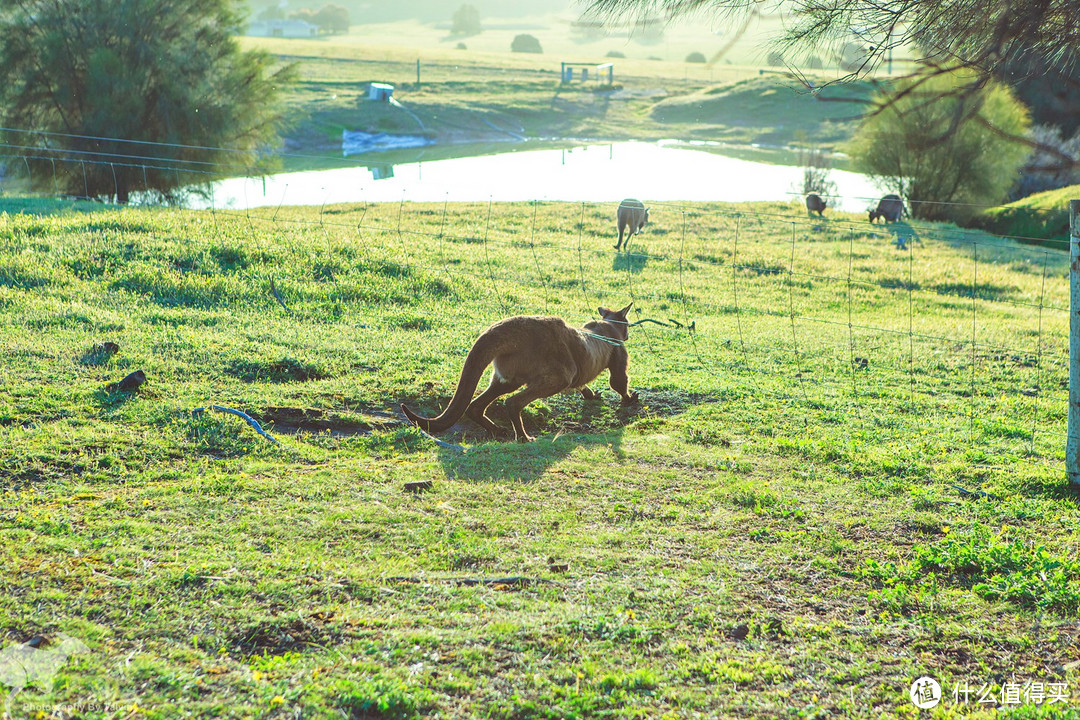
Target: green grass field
x=1042 y=217
x=788 y=525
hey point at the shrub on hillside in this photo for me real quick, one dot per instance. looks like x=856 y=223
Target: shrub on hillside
x=525 y=44
x=946 y=171
x=695 y=57
x=1043 y=215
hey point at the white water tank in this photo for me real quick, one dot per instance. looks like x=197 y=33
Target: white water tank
x=380 y=91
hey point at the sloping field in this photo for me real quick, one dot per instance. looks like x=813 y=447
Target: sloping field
x=844 y=473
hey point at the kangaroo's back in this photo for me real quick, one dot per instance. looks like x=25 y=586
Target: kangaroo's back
x=890 y=207
x=631 y=215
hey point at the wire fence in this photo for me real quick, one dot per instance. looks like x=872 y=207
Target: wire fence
x=840 y=316
x=864 y=322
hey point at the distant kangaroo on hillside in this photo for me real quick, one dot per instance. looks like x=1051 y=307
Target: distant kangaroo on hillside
x=815 y=204
x=545 y=355
x=890 y=207
x=632 y=216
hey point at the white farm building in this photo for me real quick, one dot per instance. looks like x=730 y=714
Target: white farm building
x=282 y=28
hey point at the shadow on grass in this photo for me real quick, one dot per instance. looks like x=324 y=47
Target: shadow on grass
x=113 y=399
x=560 y=424
x=50 y=206
x=902 y=233
x=1023 y=254
x=628 y=261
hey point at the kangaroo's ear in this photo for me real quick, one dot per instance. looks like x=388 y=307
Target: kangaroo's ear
x=622 y=313
x=604 y=312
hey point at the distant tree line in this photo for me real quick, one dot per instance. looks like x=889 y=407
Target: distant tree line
x=331 y=19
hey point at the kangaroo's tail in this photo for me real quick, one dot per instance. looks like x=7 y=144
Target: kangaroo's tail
x=483 y=352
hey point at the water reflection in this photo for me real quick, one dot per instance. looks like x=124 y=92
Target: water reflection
x=591 y=173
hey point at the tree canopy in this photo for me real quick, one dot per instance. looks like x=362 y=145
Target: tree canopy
x=944 y=150
x=978 y=35
x=330 y=18
x=466 y=21
x=1033 y=45
x=104 y=98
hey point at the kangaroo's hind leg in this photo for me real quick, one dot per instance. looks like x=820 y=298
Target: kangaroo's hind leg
x=478 y=407
x=541 y=388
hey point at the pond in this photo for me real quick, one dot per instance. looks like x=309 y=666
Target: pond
x=609 y=172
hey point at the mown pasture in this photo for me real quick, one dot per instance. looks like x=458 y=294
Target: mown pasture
x=846 y=476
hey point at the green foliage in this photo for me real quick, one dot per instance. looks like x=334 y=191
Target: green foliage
x=525 y=44
x=943 y=146
x=996 y=566
x=466 y=21
x=1043 y=215
x=153 y=95
x=1037 y=79
x=695 y=57
x=330 y=18
x=382 y=698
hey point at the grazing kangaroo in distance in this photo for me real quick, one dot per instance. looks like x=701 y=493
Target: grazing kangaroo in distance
x=544 y=354
x=815 y=204
x=632 y=215
x=890 y=207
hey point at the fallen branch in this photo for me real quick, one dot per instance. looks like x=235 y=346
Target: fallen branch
x=975 y=493
x=274 y=292
x=670 y=323
x=250 y=420
x=645 y=320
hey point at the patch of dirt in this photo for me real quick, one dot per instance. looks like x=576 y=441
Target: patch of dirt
x=277 y=636
x=293 y=421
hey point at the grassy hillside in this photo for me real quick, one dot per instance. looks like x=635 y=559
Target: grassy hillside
x=1042 y=217
x=473 y=96
x=848 y=475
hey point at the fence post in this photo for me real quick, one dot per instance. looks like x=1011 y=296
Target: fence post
x=1072 y=443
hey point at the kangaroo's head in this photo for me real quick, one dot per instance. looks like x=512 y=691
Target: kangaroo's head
x=644 y=219
x=617 y=319
x=873 y=215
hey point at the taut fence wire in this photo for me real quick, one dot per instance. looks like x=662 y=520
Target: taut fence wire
x=883 y=331
x=863 y=322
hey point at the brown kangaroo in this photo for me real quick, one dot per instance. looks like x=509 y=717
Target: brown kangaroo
x=890 y=207
x=632 y=214
x=545 y=355
x=815 y=204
